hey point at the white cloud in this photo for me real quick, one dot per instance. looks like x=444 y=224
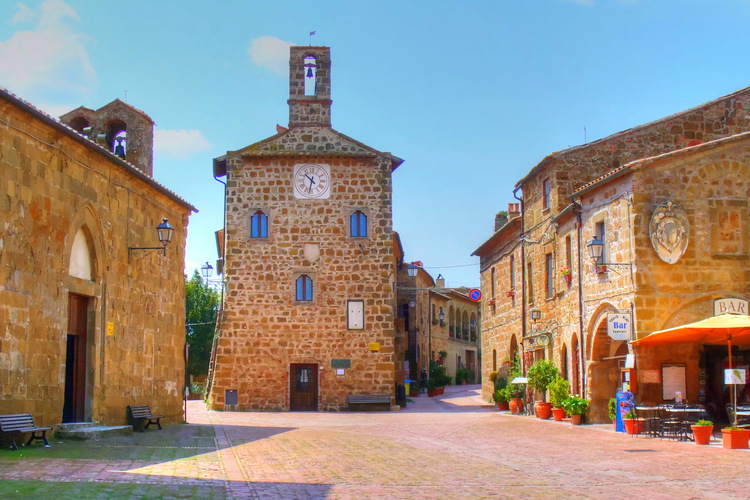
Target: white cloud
x=49 y=62
x=271 y=53
x=180 y=143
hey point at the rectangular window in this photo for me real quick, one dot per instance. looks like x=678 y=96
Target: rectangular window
x=547 y=187
x=358 y=225
x=549 y=274
x=600 y=235
x=512 y=272
x=529 y=284
x=492 y=283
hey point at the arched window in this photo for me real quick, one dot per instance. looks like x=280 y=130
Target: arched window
x=311 y=75
x=304 y=288
x=259 y=225
x=358 y=225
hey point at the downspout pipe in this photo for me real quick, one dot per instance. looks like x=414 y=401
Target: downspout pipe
x=523 y=277
x=579 y=243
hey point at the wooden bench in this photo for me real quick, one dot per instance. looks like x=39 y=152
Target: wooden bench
x=381 y=401
x=21 y=423
x=137 y=414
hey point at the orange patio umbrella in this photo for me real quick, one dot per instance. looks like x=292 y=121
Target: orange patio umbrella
x=723 y=329
x=718 y=330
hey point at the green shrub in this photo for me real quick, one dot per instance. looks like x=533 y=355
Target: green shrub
x=559 y=390
x=541 y=374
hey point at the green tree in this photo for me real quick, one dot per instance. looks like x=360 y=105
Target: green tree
x=202 y=307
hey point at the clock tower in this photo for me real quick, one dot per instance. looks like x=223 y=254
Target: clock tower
x=308 y=312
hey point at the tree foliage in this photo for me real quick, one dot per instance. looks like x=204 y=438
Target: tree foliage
x=202 y=307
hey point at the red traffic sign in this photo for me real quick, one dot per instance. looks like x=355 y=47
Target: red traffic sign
x=475 y=294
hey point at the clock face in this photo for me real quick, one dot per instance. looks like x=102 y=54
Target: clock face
x=312 y=180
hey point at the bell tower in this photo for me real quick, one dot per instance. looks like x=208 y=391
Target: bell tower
x=310 y=86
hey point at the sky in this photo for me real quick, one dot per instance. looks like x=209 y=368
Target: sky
x=472 y=95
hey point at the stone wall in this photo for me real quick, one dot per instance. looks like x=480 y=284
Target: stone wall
x=51 y=186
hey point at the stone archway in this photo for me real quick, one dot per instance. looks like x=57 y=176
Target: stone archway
x=603 y=370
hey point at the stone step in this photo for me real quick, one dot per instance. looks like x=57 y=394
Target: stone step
x=96 y=432
x=76 y=425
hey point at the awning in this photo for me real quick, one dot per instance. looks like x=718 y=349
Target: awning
x=720 y=330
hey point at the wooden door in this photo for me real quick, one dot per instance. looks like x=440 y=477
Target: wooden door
x=303 y=390
x=75 y=360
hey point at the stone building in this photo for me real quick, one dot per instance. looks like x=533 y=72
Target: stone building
x=88 y=324
x=609 y=191
x=438 y=320
x=309 y=262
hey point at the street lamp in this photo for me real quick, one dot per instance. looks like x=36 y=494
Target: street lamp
x=207 y=270
x=595 y=247
x=536 y=314
x=164 y=231
x=412 y=269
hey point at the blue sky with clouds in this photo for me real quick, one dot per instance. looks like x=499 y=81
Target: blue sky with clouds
x=471 y=94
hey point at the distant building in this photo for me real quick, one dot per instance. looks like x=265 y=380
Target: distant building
x=667 y=202
x=87 y=325
x=309 y=261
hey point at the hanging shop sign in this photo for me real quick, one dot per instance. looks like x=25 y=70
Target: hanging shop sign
x=620 y=326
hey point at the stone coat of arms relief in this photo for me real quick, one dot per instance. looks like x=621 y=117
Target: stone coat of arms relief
x=669 y=229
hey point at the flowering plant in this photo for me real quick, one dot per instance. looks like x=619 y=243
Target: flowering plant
x=565 y=271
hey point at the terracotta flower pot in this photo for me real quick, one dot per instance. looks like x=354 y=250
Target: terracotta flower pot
x=567 y=278
x=431 y=393
x=702 y=433
x=633 y=426
x=558 y=414
x=516 y=405
x=735 y=439
x=543 y=410
x=502 y=406
x=576 y=419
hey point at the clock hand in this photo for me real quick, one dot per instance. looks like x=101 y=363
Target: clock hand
x=309 y=190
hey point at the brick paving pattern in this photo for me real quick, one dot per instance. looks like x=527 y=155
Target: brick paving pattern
x=450 y=447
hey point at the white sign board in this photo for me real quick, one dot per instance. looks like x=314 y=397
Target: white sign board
x=619 y=326
x=355 y=314
x=735 y=376
x=730 y=306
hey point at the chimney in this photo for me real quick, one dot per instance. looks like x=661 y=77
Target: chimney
x=501 y=219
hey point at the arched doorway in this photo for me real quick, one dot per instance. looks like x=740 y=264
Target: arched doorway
x=607 y=356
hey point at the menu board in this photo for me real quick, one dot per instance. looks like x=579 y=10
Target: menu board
x=673 y=381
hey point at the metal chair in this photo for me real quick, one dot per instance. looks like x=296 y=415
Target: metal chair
x=670 y=427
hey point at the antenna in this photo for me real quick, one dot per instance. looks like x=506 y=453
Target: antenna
x=584 y=134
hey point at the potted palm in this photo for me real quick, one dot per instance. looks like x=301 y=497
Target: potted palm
x=559 y=391
x=540 y=375
x=703 y=431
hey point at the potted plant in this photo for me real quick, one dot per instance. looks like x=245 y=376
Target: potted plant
x=632 y=424
x=576 y=407
x=612 y=410
x=500 y=397
x=431 y=388
x=462 y=376
x=566 y=274
x=559 y=391
x=540 y=375
x=703 y=431
x=735 y=438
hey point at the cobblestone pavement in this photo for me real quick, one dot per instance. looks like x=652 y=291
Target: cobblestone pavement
x=455 y=446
